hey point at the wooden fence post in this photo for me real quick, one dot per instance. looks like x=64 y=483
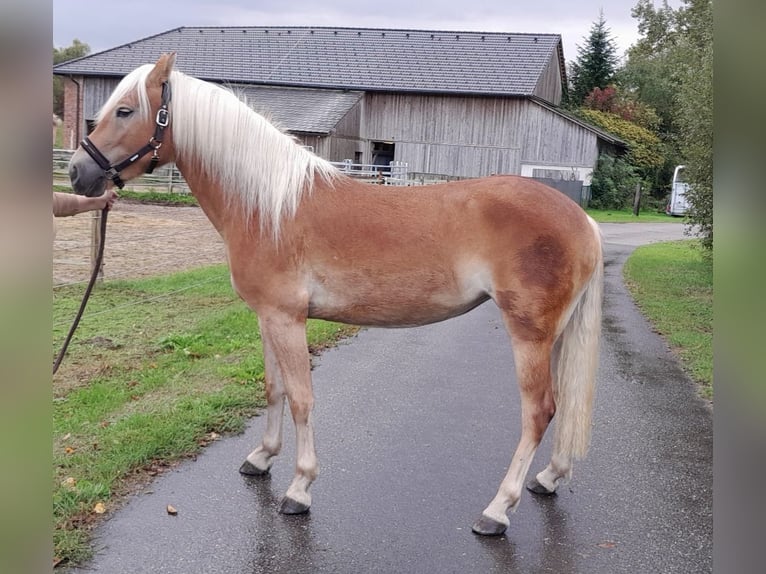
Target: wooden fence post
x=637 y=199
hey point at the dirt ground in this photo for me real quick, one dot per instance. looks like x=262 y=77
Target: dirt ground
x=141 y=240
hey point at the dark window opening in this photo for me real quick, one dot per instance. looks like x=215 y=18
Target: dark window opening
x=382 y=153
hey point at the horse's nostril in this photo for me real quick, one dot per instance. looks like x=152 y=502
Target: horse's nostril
x=73 y=173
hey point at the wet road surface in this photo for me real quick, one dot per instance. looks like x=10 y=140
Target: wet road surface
x=414 y=431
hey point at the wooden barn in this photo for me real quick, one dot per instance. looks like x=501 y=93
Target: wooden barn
x=458 y=104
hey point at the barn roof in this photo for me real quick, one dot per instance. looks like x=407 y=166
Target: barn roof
x=300 y=110
x=372 y=59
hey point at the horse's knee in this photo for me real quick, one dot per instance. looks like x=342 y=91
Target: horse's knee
x=300 y=408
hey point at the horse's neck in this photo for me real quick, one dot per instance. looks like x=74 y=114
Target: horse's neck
x=210 y=195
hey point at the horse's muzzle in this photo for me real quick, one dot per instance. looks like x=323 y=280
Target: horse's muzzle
x=86 y=176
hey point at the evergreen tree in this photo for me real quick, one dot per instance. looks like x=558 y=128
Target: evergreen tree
x=595 y=65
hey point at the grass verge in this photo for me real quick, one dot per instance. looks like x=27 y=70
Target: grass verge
x=158 y=368
x=150 y=196
x=613 y=216
x=672 y=284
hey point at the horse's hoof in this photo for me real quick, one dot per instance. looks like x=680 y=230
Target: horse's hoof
x=290 y=506
x=535 y=486
x=488 y=527
x=250 y=469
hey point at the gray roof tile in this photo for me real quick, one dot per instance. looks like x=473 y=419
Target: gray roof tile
x=300 y=109
x=348 y=58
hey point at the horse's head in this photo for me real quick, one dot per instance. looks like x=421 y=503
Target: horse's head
x=132 y=134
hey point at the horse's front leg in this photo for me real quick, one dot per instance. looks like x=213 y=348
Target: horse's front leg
x=260 y=460
x=284 y=340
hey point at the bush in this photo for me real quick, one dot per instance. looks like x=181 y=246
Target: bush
x=613 y=185
x=645 y=148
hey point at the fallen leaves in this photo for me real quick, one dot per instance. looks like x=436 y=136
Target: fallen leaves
x=606 y=544
x=171 y=510
x=208 y=438
x=100 y=508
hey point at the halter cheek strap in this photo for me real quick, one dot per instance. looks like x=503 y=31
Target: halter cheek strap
x=112 y=171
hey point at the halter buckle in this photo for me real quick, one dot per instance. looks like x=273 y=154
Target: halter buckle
x=114 y=176
x=163 y=117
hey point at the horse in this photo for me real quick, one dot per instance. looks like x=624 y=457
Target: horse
x=305 y=241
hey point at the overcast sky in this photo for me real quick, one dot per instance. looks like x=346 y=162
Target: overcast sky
x=104 y=24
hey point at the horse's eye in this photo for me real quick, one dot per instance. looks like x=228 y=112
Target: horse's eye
x=124 y=112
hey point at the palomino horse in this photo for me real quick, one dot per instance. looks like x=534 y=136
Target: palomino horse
x=305 y=241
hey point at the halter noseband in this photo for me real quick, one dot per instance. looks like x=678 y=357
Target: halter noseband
x=112 y=171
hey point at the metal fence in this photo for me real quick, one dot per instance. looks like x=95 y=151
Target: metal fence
x=395 y=173
x=168 y=178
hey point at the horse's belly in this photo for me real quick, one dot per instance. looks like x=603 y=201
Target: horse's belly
x=393 y=308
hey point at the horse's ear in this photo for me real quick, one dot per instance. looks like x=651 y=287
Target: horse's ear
x=162 y=69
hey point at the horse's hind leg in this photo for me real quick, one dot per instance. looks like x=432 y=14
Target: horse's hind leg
x=560 y=465
x=260 y=460
x=537 y=409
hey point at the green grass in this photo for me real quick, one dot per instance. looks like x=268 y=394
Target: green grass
x=159 y=197
x=672 y=284
x=156 y=366
x=614 y=216
x=150 y=196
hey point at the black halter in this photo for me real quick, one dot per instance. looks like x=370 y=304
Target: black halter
x=112 y=171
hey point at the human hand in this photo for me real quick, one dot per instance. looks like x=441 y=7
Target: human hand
x=107 y=199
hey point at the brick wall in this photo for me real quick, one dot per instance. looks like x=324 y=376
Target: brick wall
x=72 y=123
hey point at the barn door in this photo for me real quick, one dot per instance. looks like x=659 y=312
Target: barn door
x=382 y=153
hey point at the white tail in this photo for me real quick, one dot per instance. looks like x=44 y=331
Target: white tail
x=575 y=365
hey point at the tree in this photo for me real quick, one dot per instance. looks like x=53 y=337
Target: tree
x=695 y=113
x=615 y=100
x=652 y=66
x=76 y=50
x=649 y=153
x=670 y=68
x=595 y=65
x=645 y=157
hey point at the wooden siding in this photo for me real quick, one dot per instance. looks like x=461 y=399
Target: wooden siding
x=455 y=160
x=332 y=148
x=554 y=140
x=350 y=125
x=475 y=136
x=549 y=86
x=97 y=91
x=346 y=141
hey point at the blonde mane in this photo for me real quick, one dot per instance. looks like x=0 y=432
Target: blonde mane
x=259 y=167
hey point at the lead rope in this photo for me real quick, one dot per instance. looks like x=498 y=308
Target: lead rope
x=94 y=275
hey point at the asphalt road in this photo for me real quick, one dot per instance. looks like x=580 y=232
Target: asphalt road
x=414 y=431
